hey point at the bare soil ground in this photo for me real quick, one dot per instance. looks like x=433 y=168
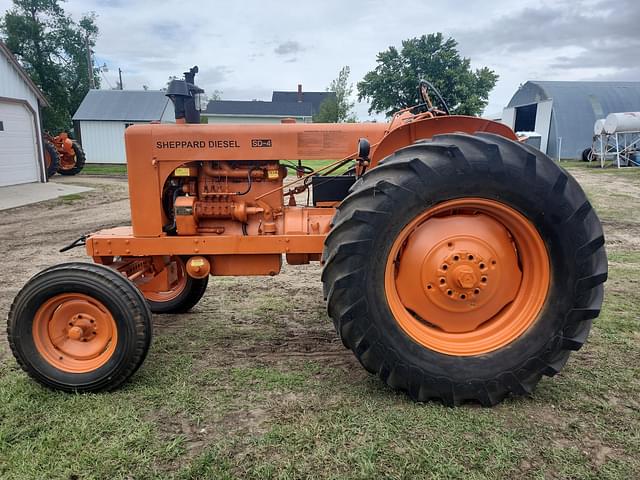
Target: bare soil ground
x=254 y=383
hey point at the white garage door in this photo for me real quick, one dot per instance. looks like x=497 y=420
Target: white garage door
x=18 y=145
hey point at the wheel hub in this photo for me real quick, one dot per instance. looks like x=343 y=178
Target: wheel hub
x=82 y=327
x=75 y=333
x=463 y=274
x=472 y=263
x=465 y=277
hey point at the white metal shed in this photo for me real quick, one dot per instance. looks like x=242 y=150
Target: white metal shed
x=103 y=116
x=21 y=158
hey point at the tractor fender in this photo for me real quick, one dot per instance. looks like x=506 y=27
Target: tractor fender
x=424 y=128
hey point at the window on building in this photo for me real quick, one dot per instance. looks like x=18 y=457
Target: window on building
x=1 y=126
x=526 y=118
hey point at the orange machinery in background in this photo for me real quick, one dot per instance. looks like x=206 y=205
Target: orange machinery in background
x=63 y=155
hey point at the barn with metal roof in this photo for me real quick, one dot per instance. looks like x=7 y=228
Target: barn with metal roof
x=255 y=111
x=563 y=113
x=102 y=117
x=300 y=96
x=299 y=105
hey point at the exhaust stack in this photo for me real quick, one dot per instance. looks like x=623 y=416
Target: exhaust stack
x=183 y=94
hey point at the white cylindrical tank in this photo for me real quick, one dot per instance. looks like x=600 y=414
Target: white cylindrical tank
x=622 y=122
x=598 y=127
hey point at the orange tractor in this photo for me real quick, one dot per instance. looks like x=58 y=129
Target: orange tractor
x=458 y=264
x=62 y=155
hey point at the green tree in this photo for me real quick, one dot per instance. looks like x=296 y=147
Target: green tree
x=392 y=85
x=339 y=107
x=52 y=48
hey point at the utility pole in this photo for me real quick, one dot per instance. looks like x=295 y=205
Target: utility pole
x=92 y=80
x=120 y=75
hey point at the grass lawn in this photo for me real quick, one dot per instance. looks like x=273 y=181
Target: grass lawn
x=318 y=164
x=253 y=384
x=111 y=169
x=103 y=169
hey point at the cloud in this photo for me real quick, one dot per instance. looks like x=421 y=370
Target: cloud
x=575 y=40
x=573 y=34
x=290 y=47
x=214 y=75
x=247 y=49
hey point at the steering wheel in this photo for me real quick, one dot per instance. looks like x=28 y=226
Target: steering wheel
x=423 y=91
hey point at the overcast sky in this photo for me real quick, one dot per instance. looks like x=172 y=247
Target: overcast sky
x=246 y=49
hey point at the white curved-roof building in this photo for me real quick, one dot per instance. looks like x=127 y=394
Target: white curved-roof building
x=567 y=110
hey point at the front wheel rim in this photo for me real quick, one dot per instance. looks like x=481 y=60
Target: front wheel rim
x=74 y=333
x=467 y=276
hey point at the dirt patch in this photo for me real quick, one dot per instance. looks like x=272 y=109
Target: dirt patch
x=318 y=347
x=607 y=182
x=193 y=435
x=616 y=197
x=242 y=422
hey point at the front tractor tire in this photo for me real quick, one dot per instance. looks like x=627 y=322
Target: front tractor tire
x=79 y=327
x=464 y=269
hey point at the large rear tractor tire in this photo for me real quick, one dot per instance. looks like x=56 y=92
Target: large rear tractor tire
x=464 y=269
x=183 y=295
x=80 y=160
x=51 y=159
x=79 y=327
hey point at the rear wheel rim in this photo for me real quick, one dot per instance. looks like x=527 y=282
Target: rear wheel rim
x=467 y=277
x=176 y=288
x=67 y=162
x=74 y=333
